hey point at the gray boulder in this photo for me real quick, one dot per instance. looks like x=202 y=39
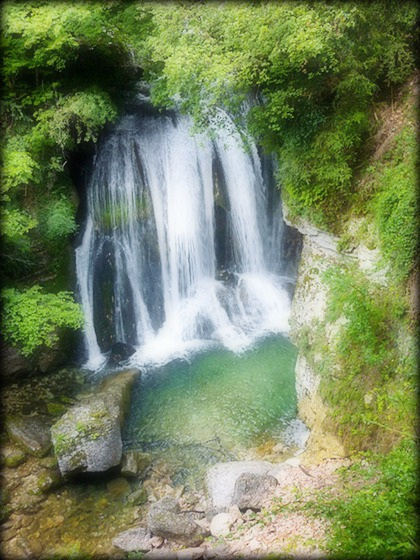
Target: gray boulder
x=136 y=539
x=31 y=433
x=252 y=489
x=87 y=438
x=166 y=520
x=222 y=477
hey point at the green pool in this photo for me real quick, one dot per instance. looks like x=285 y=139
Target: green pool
x=192 y=414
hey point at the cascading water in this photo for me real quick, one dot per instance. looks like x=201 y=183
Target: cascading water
x=181 y=246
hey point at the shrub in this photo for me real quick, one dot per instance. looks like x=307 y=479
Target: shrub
x=31 y=317
x=58 y=219
x=375 y=514
x=395 y=206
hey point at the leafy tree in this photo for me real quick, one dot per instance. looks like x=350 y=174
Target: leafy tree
x=313 y=69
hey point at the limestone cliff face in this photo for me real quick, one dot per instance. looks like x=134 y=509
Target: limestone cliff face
x=319 y=252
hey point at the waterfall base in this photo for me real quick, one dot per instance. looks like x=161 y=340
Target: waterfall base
x=217 y=407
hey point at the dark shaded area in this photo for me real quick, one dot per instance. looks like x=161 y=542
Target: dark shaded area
x=224 y=257
x=120 y=352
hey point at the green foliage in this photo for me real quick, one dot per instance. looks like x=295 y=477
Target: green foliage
x=375 y=514
x=18 y=167
x=66 y=69
x=31 y=317
x=76 y=118
x=364 y=339
x=395 y=206
x=58 y=219
x=16 y=223
x=307 y=64
x=370 y=358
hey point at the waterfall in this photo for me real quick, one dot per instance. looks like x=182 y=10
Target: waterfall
x=181 y=244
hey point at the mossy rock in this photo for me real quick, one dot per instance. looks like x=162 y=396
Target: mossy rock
x=87 y=438
x=118 y=487
x=31 y=433
x=49 y=462
x=135 y=463
x=138 y=497
x=56 y=409
x=12 y=456
x=48 y=480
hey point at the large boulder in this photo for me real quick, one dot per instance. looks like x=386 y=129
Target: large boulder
x=251 y=490
x=87 y=438
x=167 y=520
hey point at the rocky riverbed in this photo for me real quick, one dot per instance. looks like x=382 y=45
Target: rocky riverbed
x=137 y=505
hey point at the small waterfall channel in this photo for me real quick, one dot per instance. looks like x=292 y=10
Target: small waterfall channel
x=182 y=246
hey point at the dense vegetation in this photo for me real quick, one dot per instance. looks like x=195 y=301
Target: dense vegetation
x=66 y=69
x=312 y=76
x=309 y=71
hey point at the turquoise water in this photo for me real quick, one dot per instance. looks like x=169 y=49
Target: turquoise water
x=195 y=413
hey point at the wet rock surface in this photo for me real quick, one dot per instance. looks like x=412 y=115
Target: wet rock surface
x=120 y=352
x=221 y=525
x=135 y=463
x=12 y=456
x=14 y=364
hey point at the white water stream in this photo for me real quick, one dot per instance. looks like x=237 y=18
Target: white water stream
x=147 y=265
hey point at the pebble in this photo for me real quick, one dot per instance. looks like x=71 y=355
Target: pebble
x=161 y=554
x=221 y=524
x=190 y=553
x=156 y=541
x=218 y=551
x=254 y=545
x=293 y=462
x=118 y=487
x=279 y=448
x=235 y=513
x=36 y=548
x=26 y=520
